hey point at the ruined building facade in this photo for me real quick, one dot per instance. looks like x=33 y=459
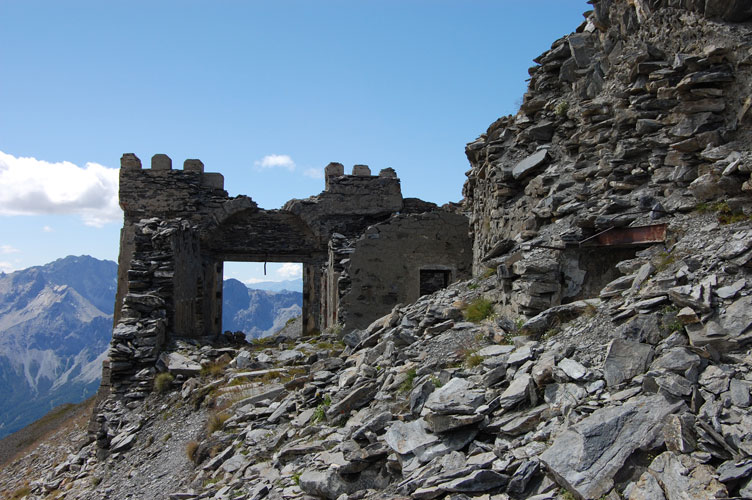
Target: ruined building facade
x=364 y=249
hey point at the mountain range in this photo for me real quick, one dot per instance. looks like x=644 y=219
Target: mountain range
x=56 y=325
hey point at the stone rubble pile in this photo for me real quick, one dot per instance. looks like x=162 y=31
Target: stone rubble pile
x=425 y=404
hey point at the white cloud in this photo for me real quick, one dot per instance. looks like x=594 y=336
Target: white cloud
x=47 y=229
x=253 y=281
x=6 y=267
x=35 y=187
x=314 y=173
x=6 y=249
x=276 y=161
x=290 y=270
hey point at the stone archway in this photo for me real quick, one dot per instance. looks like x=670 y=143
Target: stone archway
x=253 y=235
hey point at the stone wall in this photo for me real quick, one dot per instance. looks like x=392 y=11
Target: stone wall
x=382 y=267
x=180 y=226
x=621 y=126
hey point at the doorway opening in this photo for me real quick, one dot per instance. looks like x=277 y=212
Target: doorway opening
x=433 y=280
x=262 y=299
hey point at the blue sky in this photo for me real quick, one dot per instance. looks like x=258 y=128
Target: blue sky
x=267 y=93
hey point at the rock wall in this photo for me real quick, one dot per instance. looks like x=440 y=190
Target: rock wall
x=621 y=126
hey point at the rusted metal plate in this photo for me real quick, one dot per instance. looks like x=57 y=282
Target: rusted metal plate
x=629 y=236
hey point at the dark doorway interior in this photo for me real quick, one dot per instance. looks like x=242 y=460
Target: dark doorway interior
x=432 y=280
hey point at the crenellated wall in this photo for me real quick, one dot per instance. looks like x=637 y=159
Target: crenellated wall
x=180 y=226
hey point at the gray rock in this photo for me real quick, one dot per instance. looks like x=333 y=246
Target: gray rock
x=674 y=384
x=243 y=360
x=581 y=49
x=682 y=477
x=522 y=389
x=564 y=397
x=678 y=433
x=572 y=368
x=458 y=396
x=406 y=437
x=738 y=318
x=676 y=359
x=322 y=484
x=450 y=441
x=480 y=480
x=289 y=357
x=530 y=164
x=514 y=424
x=178 y=364
x=356 y=398
x=740 y=393
x=495 y=350
x=647 y=488
x=586 y=457
x=219 y=458
x=520 y=355
x=714 y=379
x=443 y=423
x=625 y=359
x=522 y=477
x=732 y=470
x=730 y=291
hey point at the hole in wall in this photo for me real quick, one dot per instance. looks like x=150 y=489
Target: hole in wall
x=433 y=280
x=260 y=305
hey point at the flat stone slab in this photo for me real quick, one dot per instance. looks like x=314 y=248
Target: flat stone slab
x=179 y=365
x=625 y=359
x=586 y=457
x=407 y=437
x=458 y=396
x=530 y=164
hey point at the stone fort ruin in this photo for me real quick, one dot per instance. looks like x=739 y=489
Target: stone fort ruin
x=364 y=249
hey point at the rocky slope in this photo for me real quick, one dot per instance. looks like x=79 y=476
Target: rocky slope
x=564 y=369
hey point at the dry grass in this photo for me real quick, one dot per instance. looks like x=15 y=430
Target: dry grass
x=216 y=422
x=190 y=450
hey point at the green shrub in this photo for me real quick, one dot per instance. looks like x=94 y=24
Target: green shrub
x=478 y=310
x=296 y=478
x=407 y=385
x=163 y=381
x=319 y=414
x=561 y=109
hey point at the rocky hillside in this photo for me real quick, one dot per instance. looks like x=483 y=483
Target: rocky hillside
x=257 y=313
x=601 y=352
x=55 y=327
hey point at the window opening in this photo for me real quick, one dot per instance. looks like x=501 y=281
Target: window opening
x=432 y=280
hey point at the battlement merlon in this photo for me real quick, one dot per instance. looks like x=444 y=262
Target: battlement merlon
x=163 y=192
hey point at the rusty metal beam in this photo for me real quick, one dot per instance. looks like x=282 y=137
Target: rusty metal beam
x=628 y=236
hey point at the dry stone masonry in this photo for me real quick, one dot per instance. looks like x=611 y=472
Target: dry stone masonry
x=180 y=226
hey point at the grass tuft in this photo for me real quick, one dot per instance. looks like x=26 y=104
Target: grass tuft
x=162 y=382
x=191 y=451
x=216 y=422
x=407 y=384
x=478 y=310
